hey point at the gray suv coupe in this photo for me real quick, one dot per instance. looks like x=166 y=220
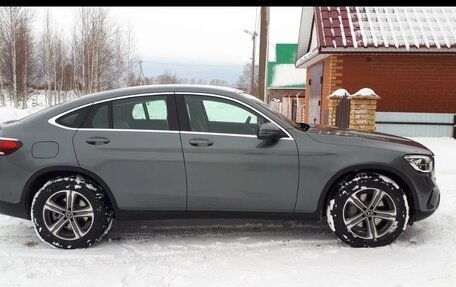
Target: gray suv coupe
x=183 y=151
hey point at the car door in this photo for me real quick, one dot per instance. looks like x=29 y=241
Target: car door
x=228 y=168
x=133 y=144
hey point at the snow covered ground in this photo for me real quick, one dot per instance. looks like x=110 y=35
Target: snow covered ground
x=241 y=253
x=35 y=103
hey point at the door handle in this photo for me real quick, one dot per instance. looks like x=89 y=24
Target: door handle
x=97 y=140
x=201 y=142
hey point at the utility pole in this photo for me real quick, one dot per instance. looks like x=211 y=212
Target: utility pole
x=252 y=79
x=264 y=37
x=141 y=74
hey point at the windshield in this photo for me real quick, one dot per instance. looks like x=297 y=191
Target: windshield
x=275 y=112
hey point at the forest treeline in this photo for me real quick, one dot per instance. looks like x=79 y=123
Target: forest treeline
x=98 y=54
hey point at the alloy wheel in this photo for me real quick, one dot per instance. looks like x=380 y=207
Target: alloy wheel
x=370 y=213
x=68 y=215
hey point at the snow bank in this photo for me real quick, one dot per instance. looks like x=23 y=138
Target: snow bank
x=7 y=114
x=35 y=104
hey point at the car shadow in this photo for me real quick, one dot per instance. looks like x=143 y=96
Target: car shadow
x=208 y=231
x=234 y=230
x=221 y=229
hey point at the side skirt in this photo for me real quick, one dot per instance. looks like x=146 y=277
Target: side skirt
x=127 y=215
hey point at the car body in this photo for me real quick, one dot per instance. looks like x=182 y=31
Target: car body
x=173 y=151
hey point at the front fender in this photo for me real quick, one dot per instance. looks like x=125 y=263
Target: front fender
x=397 y=175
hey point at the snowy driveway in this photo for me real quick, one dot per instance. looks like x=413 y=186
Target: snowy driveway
x=242 y=253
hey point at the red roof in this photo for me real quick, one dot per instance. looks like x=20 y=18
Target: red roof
x=333 y=26
x=378 y=29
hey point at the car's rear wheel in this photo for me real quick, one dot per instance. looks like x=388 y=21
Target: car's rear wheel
x=71 y=213
x=368 y=210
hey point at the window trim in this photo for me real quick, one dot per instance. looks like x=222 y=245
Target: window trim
x=53 y=122
x=177 y=102
x=236 y=101
x=222 y=134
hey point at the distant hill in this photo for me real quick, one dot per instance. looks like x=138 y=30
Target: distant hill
x=227 y=73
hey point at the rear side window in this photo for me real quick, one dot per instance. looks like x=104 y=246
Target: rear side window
x=73 y=119
x=135 y=113
x=141 y=113
x=98 y=117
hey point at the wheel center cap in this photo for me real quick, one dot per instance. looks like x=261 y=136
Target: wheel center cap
x=69 y=214
x=369 y=213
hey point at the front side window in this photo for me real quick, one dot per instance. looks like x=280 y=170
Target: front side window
x=275 y=112
x=217 y=115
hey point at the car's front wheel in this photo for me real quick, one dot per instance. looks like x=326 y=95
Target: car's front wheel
x=368 y=210
x=71 y=212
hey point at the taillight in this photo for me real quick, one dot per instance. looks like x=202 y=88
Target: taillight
x=8 y=146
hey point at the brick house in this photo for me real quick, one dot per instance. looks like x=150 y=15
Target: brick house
x=406 y=55
x=286 y=84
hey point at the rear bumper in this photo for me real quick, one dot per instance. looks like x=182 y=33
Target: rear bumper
x=15 y=210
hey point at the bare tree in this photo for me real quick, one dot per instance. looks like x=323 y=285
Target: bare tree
x=45 y=52
x=103 y=53
x=130 y=55
x=169 y=77
x=99 y=55
x=166 y=78
x=217 y=82
x=17 y=52
x=2 y=93
x=53 y=60
x=244 y=80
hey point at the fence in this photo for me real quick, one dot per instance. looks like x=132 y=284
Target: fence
x=416 y=124
x=291 y=107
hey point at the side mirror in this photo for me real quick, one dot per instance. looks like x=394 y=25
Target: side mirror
x=270 y=131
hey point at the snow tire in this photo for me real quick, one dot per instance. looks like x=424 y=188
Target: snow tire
x=368 y=210
x=71 y=213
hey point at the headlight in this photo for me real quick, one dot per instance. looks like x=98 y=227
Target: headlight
x=421 y=163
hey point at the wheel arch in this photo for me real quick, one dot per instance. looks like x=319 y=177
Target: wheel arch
x=39 y=178
x=400 y=178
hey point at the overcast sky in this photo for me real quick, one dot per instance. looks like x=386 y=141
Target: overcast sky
x=207 y=42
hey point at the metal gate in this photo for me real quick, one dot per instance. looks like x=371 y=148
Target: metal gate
x=343 y=113
x=294 y=109
x=316 y=81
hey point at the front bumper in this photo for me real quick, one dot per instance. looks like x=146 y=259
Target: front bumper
x=427 y=196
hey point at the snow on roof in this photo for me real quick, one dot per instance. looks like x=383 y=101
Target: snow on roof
x=389 y=27
x=381 y=29
x=286 y=75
